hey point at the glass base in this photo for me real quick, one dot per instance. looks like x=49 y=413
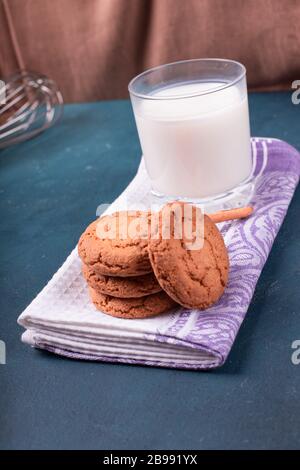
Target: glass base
x=237 y=197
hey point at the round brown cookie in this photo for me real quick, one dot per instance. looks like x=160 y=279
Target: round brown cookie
x=195 y=278
x=141 y=307
x=116 y=245
x=124 y=287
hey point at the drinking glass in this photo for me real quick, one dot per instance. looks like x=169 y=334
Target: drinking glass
x=192 y=119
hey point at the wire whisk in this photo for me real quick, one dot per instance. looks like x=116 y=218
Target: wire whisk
x=32 y=104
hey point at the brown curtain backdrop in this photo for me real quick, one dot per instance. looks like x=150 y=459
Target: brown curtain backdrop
x=92 y=48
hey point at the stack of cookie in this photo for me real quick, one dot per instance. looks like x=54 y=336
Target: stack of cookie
x=142 y=274
x=118 y=270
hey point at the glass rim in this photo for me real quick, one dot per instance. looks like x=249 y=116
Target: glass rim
x=187 y=95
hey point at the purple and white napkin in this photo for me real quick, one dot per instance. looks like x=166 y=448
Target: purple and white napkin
x=61 y=319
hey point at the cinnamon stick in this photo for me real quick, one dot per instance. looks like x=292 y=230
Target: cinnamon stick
x=231 y=214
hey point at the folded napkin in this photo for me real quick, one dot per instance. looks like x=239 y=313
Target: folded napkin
x=61 y=319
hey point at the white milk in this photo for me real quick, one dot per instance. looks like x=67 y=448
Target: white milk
x=195 y=146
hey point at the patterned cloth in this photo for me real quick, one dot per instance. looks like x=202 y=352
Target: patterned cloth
x=61 y=319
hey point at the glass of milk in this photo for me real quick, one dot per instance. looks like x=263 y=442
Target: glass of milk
x=193 y=123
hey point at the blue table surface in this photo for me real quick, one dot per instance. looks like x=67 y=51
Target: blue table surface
x=50 y=187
